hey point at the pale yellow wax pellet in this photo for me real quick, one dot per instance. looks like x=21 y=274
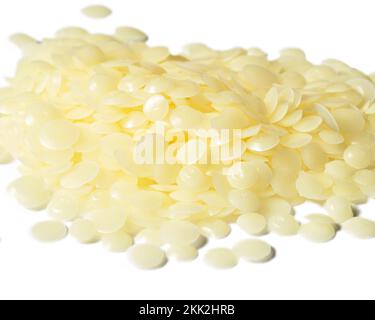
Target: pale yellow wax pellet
x=221 y=258
x=97 y=11
x=146 y=256
x=253 y=250
x=49 y=231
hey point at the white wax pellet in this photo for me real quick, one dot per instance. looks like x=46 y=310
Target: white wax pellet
x=96 y=11
x=183 y=253
x=31 y=192
x=49 y=231
x=156 y=108
x=58 y=135
x=84 y=231
x=283 y=224
x=82 y=174
x=221 y=258
x=318 y=231
x=360 y=228
x=217 y=228
x=108 y=220
x=339 y=209
x=146 y=256
x=253 y=250
x=179 y=232
x=64 y=206
x=117 y=242
x=252 y=223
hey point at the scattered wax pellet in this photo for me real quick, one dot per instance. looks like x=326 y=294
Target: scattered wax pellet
x=283 y=224
x=183 y=253
x=108 y=220
x=217 y=228
x=128 y=34
x=150 y=236
x=339 y=209
x=117 y=242
x=252 y=223
x=146 y=256
x=318 y=232
x=360 y=228
x=253 y=250
x=31 y=192
x=84 y=231
x=179 y=232
x=64 y=206
x=49 y=231
x=244 y=200
x=97 y=11
x=221 y=258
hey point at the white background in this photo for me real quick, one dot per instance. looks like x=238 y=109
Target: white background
x=344 y=268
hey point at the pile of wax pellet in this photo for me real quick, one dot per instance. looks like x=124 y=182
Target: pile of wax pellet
x=78 y=103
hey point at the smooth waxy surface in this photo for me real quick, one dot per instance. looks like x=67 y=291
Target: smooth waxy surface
x=253 y=250
x=221 y=258
x=97 y=11
x=49 y=231
x=146 y=256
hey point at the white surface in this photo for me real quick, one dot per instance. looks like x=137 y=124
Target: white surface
x=325 y=29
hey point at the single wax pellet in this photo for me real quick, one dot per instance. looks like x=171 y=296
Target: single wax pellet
x=221 y=258
x=316 y=217
x=318 y=232
x=360 y=228
x=31 y=192
x=128 y=34
x=49 y=231
x=117 y=242
x=217 y=228
x=58 y=135
x=82 y=174
x=283 y=224
x=253 y=250
x=179 y=232
x=357 y=157
x=252 y=223
x=97 y=12
x=242 y=175
x=244 y=200
x=339 y=209
x=64 y=206
x=183 y=253
x=146 y=256
x=84 y=231
x=156 y=108
x=150 y=236
x=108 y=220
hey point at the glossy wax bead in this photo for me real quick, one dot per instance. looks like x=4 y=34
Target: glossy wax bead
x=146 y=256
x=31 y=192
x=58 y=135
x=49 y=231
x=221 y=258
x=253 y=250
